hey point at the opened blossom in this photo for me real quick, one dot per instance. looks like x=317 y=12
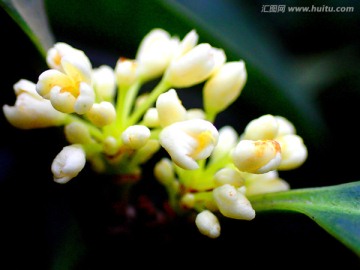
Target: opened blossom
x=31 y=110
x=189 y=141
x=68 y=89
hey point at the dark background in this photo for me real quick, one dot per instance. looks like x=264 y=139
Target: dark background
x=44 y=225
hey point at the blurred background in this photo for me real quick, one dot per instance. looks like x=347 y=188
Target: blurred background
x=304 y=66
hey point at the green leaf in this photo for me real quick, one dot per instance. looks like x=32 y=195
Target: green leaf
x=31 y=16
x=335 y=208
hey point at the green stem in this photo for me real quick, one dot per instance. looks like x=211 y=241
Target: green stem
x=94 y=131
x=139 y=112
x=210 y=116
x=129 y=103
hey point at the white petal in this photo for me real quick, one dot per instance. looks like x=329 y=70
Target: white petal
x=68 y=163
x=208 y=224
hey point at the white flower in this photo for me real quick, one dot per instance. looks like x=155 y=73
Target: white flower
x=257 y=156
x=155 y=53
x=195 y=113
x=208 y=224
x=293 y=151
x=59 y=50
x=77 y=132
x=187 y=43
x=232 y=203
x=110 y=145
x=104 y=83
x=151 y=118
x=169 y=108
x=30 y=109
x=229 y=176
x=224 y=87
x=285 y=126
x=102 y=114
x=164 y=171
x=188 y=141
x=265 y=127
x=69 y=91
x=265 y=183
x=228 y=139
x=126 y=71
x=135 y=136
x=194 y=66
x=68 y=163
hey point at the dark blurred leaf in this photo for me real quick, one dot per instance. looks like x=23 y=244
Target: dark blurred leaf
x=31 y=16
x=70 y=249
x=334 y=208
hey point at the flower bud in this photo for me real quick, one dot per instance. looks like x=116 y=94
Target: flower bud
x=187 y=43
x=56 y=53
x=265 y=183
x=151 y=118
x=195 y=66
x=102 y=114
x=285 y=126
x=224 y=87
x=110 y=145
x=126 y=72
x=104 y=83
x=154 y=53
x=164 y=171
x=263 y=128
x=31 y=110
x=188 y=141
x=257 y=156
x=233 y=203
x=170 y=109
x=228 y=138
x=195 y=113
x=293 y=152
x=68 y=163
x=229 y=176
x=136 y=136
x=77 y=133
x=208 y=224
x=188 y=200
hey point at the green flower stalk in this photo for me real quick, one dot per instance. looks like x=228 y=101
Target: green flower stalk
x=209 y=171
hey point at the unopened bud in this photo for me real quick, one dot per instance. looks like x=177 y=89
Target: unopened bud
x=136 y=136
x=257 y=156
x=208 y=224
x=232 y=203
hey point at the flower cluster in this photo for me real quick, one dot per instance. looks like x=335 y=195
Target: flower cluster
x=109 y=123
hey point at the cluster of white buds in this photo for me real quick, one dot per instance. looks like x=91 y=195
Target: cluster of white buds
x=108 y=122
x=238 y=167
